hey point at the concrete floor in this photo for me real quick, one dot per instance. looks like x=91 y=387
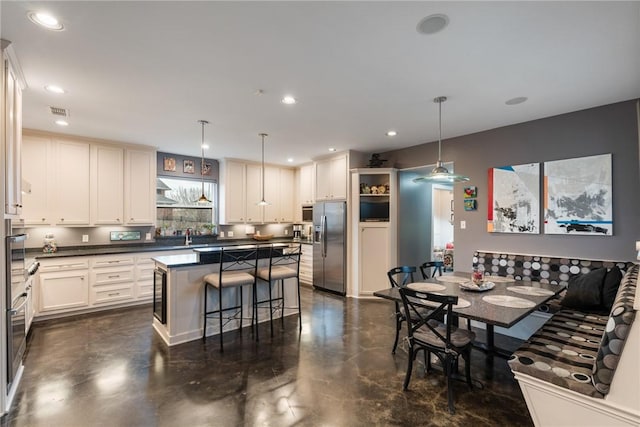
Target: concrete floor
x=110 y=369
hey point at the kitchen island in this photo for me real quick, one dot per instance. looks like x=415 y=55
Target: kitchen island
x=179 y=293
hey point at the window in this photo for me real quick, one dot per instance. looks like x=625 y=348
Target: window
x=178 y=208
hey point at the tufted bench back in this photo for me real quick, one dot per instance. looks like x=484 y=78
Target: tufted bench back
x=537 y=268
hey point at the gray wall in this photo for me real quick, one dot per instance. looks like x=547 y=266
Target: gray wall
x=414 y=219
x=608 y=129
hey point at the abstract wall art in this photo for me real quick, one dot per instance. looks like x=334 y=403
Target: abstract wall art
x=577 y=196
x=514 y=199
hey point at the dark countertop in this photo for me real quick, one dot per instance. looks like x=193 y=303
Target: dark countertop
x=211 y=254
x=159 y=245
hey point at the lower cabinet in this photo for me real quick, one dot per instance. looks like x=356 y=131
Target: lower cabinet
x=63 y=290
x=112 y=280
x=373 y=253
x=306 y=264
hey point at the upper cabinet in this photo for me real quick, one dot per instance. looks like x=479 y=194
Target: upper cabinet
x=73 y=182
x=11 y=130
x=307 y=181
x=241 y=190
x=331 y=178
x=139 y=186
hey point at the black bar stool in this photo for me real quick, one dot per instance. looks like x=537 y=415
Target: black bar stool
x=284 y=263
x=237 y=268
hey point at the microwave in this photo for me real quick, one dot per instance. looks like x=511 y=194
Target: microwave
x=307 y=213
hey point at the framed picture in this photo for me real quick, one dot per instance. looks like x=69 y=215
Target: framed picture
x=189 y=167
x=578 y=196
x=170 y=164
x=514 y=199
x=206 y=169
x=470 y=205
x=470 y=192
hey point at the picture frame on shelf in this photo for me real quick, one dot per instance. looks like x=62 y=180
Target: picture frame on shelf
x=188 y=167
x=169 y=164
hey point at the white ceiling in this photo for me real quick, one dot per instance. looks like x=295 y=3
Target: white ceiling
x=145 y=72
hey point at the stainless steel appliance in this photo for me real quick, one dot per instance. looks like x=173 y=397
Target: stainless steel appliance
x=297 y=232
x=16 y=301
x=329 y=251
x=160 y=295
x=307 y=213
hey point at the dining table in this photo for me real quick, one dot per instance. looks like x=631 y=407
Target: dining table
x=498 y=301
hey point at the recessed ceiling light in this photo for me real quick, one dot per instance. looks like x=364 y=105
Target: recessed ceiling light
x=433 y=24
x=62 y=123
x=332 y=149
x=392 y=133
x=289 y=100
x=205 y=146
x=45 y=20
x=517 y=100
x=54 y=89
x=290 y=160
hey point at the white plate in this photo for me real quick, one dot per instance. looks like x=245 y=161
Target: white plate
x=508 y=301
x=454 y=279
x=530 y=290
x=470 y=286
x=462 y=303
x=426 y=287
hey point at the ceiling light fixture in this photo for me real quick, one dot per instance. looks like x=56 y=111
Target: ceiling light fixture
x=54 y=89
x=332 y=149
x=203 y=199
x=432 y=24
x=392 y=133
x=290 y=159
x=62 y=123
x=440 y=173
x=289 y=100
x=262 y=202
x=45 y=20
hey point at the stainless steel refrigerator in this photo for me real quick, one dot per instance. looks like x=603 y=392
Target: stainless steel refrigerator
x=329 y=246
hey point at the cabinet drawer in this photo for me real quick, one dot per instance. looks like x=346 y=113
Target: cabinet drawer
x=103 y=261
x=105 y=276
x=113 y=293
x=145 y=272
x=145 y=290
x=64 y=264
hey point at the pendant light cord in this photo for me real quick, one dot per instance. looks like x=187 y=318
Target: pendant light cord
x=440 y=100
x=262 y=200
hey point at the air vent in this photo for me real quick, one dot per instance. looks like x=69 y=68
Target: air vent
x=57 y=111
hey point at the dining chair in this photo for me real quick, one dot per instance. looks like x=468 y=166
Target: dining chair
x=427 y=333
x=426 y=269
x=400 y=277
x=284 y=263
x=236 y=269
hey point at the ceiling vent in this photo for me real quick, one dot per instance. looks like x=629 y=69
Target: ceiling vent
x=57 y=111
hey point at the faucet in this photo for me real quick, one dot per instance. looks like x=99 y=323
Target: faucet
x=187 y=239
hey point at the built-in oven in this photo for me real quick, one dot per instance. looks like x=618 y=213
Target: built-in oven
x=16 y=302
x=307 y=213
x=160 y=295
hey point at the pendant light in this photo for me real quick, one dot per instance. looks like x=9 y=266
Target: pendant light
x=262 y=202
x=203 y=199
x=440 y=173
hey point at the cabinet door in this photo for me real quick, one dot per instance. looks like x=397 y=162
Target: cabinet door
x=71 y=192
x=63 y=291
x=36 y=171
x=338 y=178
x=254 y=193
x=140 y=187
x=323 y=180
x=234 y=192
x=373 y=259
x=272 y=194
x=107 y=185
x=286 y=188
x=12 y=136
x=306 y=184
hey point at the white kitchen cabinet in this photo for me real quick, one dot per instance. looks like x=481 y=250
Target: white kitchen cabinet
x=112 y=279
x=72 y=182
x=144 y=276
x=307 y=179
x=107 y=185
x=253 y=183
x=63 y=285
x=279 y=183
x=11 y=129
x=140 y=187
x=306 y=264
x=373 y=253
x=331 y=178
x=37 y=170
x=234 y=203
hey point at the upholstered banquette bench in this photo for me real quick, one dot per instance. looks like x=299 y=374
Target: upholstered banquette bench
x=566 y=369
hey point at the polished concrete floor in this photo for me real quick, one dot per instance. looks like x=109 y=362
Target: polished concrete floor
x=110 y=369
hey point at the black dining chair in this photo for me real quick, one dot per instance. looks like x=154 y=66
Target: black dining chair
x=430 y=268
x=400 y=277
x=427 y=333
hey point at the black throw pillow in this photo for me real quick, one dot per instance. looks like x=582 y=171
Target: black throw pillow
x=584 y=291
x=610 y=288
